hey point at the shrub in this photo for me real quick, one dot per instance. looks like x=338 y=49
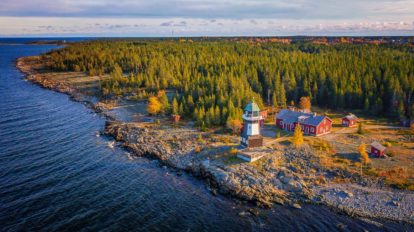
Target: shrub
x=225 y=140
x=360 y=129
x=197 y=149
x=199 y=138
x=233 y=151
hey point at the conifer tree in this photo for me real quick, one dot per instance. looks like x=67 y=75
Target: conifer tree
x=175 y=107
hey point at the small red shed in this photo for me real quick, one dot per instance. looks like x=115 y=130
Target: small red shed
x=377 y=149
x=175 y=118
x=262 y=113
x=350 y=120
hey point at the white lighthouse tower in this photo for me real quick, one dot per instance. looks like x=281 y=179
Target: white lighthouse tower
x=250 y=136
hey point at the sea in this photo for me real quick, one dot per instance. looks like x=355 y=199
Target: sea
x=58 y=173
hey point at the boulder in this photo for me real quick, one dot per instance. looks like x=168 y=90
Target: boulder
x=344 y=194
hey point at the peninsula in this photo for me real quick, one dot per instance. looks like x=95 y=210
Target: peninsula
x=183 y=103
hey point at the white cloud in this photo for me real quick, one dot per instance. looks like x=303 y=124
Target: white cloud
x=205 y=17
x=57 y=26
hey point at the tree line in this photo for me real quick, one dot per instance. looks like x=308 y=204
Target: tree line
x=214 y=80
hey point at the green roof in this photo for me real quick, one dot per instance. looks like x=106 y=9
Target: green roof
x=252 y=106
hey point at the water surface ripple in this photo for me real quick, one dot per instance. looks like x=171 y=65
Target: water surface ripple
x=57 y=175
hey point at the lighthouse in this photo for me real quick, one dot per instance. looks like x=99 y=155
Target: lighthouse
x=250 y=136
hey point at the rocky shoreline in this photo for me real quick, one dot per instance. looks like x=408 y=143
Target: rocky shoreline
x=286 y=175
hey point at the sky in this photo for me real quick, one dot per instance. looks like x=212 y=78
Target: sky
x=180 y=18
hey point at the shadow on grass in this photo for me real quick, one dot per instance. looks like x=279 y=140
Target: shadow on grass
x=355 y=157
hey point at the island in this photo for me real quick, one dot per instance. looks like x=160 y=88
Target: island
x=268 y=122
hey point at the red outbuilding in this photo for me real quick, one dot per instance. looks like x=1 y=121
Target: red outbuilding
x=350 y=120
x=310 y=123
x=262 y=113
x=377 y=149
x=175 y=118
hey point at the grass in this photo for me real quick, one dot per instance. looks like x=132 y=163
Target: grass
x=232 y=160
x=401 y=178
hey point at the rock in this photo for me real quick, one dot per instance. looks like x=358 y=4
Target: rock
x=296 y=206
x=395 y=203
x=279 y=200
x=344 y=194
x=243 y=214
x=264 y=203
x=205 y=163
x=254 y=211
x=340 y=226
x=294 y=186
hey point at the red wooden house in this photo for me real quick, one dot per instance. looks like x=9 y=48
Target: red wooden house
x=377 y=149
x=350 y=120
x=310 y=123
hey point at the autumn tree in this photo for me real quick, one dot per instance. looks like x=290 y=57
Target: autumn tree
x=234 y=125
x=364 y=155
x=305 y=103
x=154 y=106
x=297 y=136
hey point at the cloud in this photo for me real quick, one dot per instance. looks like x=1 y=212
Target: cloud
x=205 y=17
x=173 y=24
x=212 y=9
x=46 y=26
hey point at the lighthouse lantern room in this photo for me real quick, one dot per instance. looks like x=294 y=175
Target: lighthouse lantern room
x=250 y=136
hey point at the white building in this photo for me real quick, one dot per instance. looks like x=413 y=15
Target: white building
x=250 y=136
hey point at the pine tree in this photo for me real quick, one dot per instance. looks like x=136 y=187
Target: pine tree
x=282 y=96
x=217 y=116
x=163 y=99
x=175 y=107
x=274 y=100
x=190 y=103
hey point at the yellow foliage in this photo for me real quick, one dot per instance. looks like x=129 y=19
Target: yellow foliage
x=197 y=149
x=233 y=151
x=297 y=136
x=305 y=103
x=363 y=152
x=235 y=125
x=154 y=106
